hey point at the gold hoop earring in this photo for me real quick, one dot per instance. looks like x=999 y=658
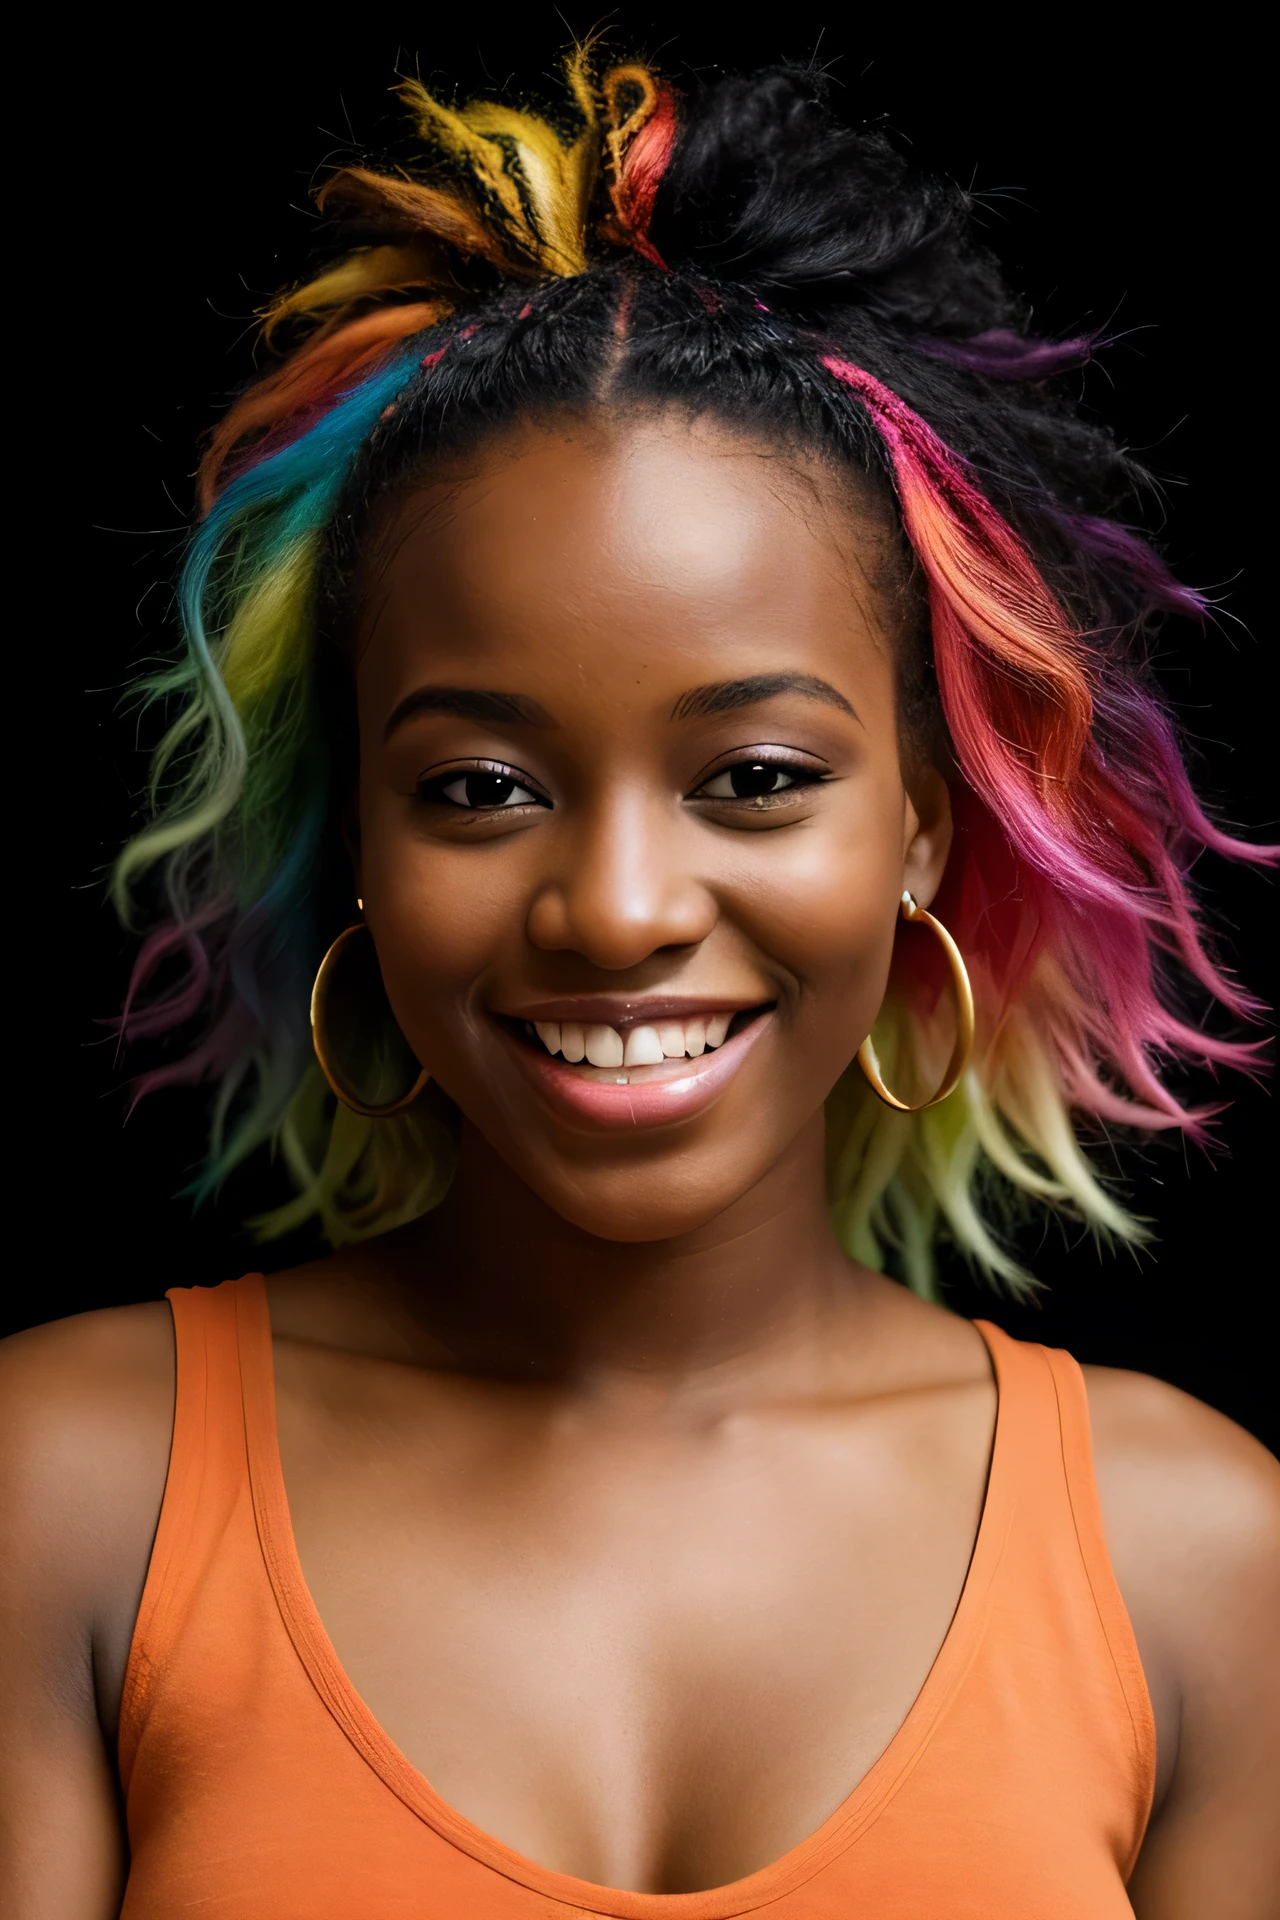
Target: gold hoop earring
x=867 y=1059
x=349 y=985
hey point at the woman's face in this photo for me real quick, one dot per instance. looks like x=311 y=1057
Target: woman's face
x=630 y=786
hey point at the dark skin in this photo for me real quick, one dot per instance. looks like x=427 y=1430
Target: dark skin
x=635 y=1510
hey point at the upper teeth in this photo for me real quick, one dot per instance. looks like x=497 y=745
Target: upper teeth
x=639 y=1047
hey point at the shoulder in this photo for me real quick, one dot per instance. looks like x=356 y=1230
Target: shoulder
x=72 y=1386
x=86 y=1409
x=86 y=1417
x=86 y=1414
x=1181 y=1477
x=1191 y=1510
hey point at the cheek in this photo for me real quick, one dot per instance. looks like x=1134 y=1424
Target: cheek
x=825 y=905
x=440 y=914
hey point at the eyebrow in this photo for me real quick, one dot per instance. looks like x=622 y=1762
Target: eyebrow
x=722 y=696
x=469 y=703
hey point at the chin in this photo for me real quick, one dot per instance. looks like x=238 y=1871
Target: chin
x=640 y=1207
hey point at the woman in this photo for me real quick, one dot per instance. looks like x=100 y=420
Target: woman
x=664 y=689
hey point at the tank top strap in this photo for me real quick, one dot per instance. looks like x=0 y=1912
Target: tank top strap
x=1059 y=1559
x=207 y=1485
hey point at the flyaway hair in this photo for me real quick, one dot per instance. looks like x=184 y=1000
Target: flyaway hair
x=735 y=251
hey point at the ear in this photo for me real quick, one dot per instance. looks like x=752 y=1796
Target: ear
x=927 y=831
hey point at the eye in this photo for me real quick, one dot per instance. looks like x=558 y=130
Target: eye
x=480 y=790
x=756 y=780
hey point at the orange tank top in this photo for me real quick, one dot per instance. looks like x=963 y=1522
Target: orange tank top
x=259 y=1786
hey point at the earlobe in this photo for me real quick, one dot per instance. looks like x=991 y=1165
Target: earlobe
x=929 y=827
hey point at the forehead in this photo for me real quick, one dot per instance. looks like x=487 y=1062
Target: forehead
x=592 y=547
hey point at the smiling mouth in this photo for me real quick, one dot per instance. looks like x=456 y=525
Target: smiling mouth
x=617 y=1052
x=626 y=1078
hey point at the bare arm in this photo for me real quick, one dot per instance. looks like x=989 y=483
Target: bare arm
x=86 y=1409
x=1191 y=1506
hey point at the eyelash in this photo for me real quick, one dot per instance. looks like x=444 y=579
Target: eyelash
x=799 y=775
x=435 y=790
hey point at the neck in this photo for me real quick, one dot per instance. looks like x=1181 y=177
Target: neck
x=515 y=1291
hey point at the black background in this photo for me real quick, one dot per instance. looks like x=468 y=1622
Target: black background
x=1120 y=177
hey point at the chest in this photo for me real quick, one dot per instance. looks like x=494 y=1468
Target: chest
x=653 y=1653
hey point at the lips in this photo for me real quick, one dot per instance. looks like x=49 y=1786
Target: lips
x=639 y=1095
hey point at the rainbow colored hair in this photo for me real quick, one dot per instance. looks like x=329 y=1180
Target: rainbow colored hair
x=1067 y=889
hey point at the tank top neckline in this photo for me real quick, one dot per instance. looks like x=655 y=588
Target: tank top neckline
x=808 y=1857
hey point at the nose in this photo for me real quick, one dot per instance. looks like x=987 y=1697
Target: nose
x=622 y=889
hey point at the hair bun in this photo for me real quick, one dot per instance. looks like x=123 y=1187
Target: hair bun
x=766 y=187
